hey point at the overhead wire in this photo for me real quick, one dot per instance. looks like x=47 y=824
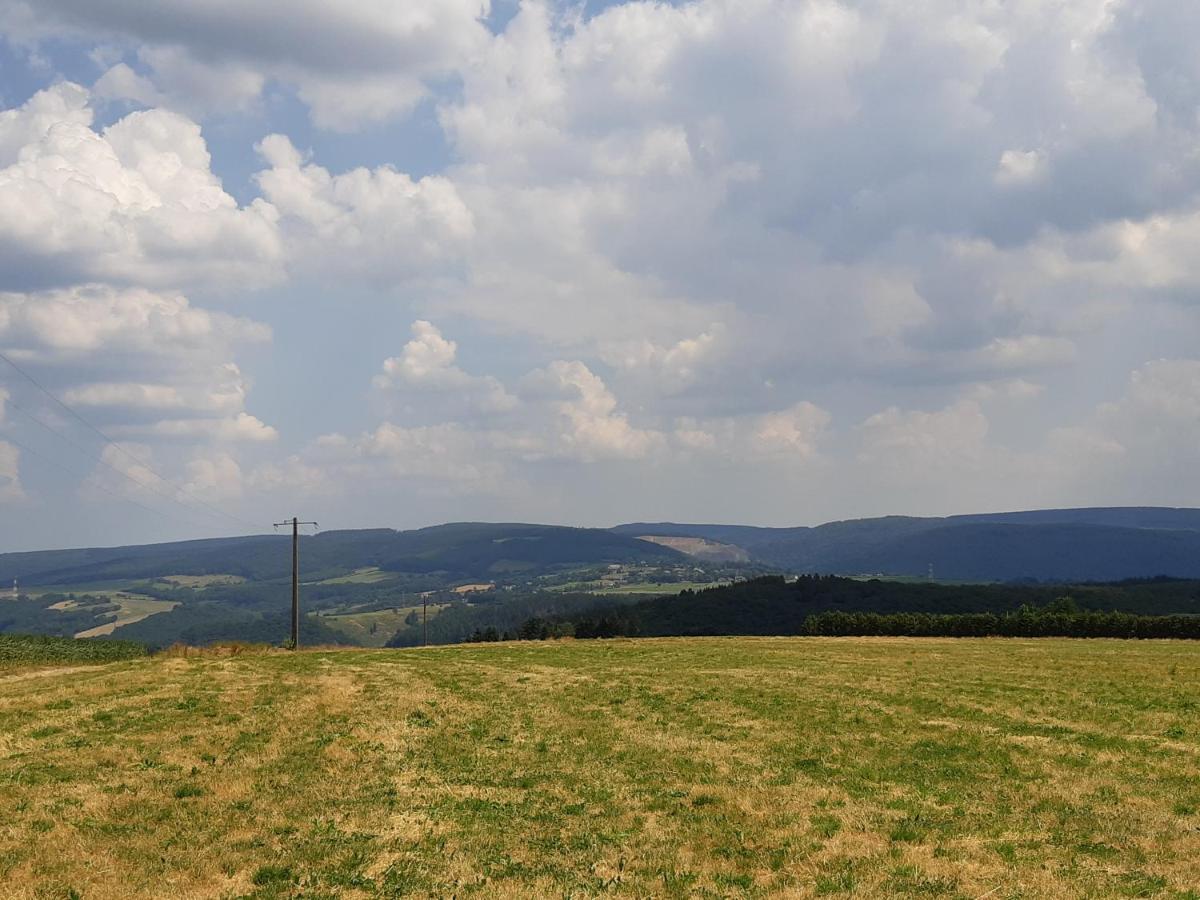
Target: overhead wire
x=110 y=442
x=97 y=457
x=86 y=477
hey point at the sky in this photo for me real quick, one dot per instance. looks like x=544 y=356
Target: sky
x=772 y=262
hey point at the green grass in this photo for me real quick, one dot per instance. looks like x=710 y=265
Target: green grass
x=374 y=629
x=81 y=588
x=133 y=608
x=198 y=582
x=660 y=768
x=649 y=587
x=652 y=588
x=367 y=575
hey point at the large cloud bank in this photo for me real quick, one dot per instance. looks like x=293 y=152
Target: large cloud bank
x=768 y=261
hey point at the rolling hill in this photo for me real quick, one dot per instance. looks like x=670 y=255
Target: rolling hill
x=1050 y=545
x=468 y=549
x=210 y=590
x=1100 y=544
x=198 y=592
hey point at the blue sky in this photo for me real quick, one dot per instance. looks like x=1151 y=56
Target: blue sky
x=767 y=262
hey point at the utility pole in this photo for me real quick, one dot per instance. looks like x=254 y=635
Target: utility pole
x=425 y=620
x=296 y=523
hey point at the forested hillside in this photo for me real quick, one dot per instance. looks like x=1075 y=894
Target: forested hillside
x=470 y=549
x=1101 y=544
x=239 y=588
x=772 y=605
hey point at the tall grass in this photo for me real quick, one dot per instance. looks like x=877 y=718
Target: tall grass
x=38 y=649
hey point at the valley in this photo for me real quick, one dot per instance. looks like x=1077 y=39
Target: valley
x=362 y=587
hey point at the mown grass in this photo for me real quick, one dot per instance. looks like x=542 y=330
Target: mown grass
x=666 y=768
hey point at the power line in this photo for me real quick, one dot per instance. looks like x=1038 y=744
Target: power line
x=97 y=458
x=109 y=441
x=84 y=476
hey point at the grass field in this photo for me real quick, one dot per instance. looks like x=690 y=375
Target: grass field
x=651 y=588
x=374 y=629
x=368 y=575
x=200 y=582
x=132 y=608
x=654 y=768
x=657 y=589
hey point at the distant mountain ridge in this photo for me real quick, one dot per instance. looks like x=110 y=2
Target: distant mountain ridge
x=469 y=549
x=1086 y=544
x=1089 y=544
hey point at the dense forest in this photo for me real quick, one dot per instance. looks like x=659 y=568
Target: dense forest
x=773 y=605
x=1063 y=618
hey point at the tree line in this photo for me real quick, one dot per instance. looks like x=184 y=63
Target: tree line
x=1062 y=617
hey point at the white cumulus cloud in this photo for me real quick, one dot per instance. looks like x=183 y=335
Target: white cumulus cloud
x=426 y=366
x=375 y=224
x=133 y=203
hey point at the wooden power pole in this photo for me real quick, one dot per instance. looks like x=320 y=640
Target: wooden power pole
x=295 y=523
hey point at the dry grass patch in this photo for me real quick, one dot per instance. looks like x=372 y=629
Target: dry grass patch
x=684 y=768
